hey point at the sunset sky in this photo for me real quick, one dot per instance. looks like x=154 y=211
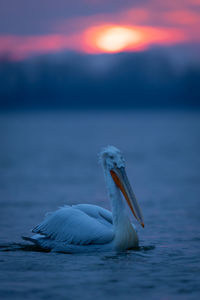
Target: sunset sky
x=95 y=26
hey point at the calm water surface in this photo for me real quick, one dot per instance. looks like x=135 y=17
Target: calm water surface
x=50 y=159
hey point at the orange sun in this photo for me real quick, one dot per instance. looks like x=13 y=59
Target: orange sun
x=110 y=38
x=115 y=39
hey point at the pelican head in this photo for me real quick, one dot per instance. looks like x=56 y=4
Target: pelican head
x=111 y=157
x=113 y=162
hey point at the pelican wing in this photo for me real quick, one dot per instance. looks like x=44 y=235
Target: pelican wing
x=72 y=225
x=101 y=214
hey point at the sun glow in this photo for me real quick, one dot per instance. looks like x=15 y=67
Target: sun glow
x=110 y=38
x=115 y=39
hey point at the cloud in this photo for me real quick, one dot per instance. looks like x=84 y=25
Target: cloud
x=20 y=47
x=178 y=15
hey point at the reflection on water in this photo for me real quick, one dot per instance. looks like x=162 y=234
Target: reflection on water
x=50 y=159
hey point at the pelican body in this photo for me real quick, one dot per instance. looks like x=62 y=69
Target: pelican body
x=88 y=228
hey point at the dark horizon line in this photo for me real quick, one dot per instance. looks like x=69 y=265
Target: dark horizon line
x=117 y=108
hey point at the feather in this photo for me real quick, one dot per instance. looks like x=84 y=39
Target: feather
x=74 y=226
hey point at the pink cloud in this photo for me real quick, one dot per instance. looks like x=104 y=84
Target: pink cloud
x=20 y=47
x=179 y=15
x=182 y=17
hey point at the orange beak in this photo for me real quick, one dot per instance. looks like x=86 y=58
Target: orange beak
x=121 y=180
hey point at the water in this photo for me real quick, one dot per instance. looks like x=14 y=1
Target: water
x=48 y=159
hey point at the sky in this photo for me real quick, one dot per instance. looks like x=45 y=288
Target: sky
x=38 y=27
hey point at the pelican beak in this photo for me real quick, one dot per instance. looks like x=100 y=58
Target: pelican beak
x=121 y=180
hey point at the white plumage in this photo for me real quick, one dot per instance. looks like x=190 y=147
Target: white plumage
x=85 y=227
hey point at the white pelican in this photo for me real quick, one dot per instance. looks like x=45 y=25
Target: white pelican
x=86 y=227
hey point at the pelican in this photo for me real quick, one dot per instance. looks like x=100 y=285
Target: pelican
x=86 y=227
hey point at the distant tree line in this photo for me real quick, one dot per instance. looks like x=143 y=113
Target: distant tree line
x=109 y=81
